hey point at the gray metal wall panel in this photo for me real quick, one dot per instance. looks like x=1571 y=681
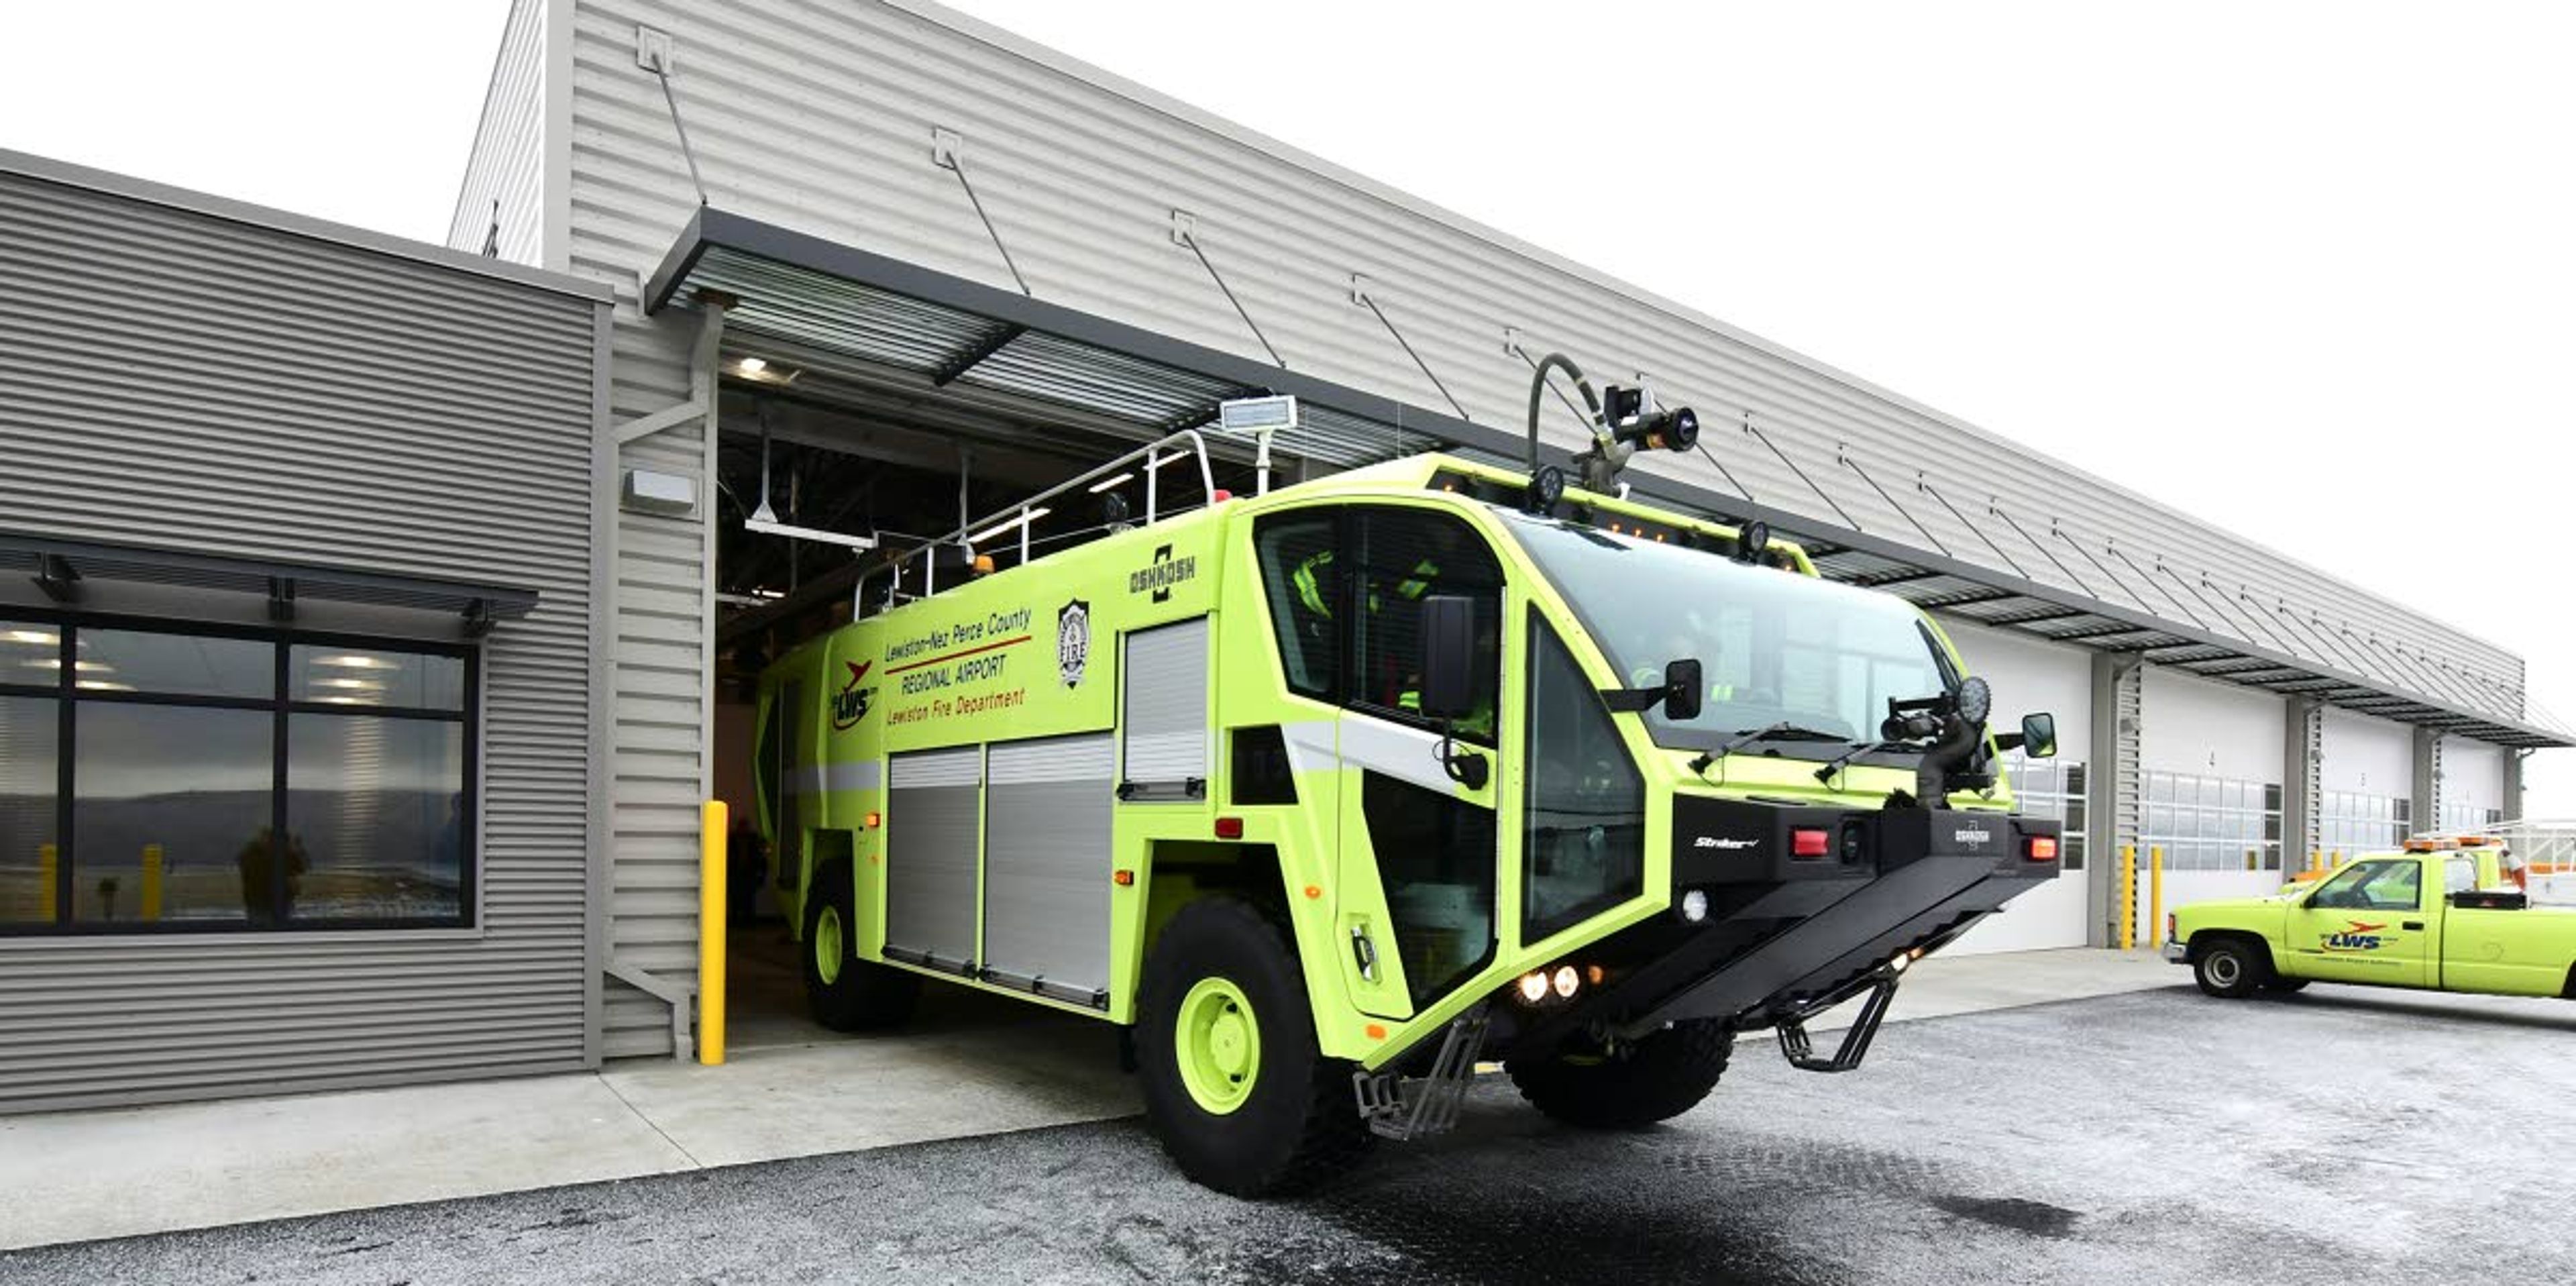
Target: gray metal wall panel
x=933 y=836
x=505 y=178
x=1046 y=864
x=1163 y=684
x=818 y=116
x=176 y=379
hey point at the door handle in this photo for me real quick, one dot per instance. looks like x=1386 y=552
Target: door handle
x=1364 y=953
x=2416 y=925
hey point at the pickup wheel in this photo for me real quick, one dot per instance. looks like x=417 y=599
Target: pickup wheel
x=842 y=991
x=1656 y=1079
x=2230 y=968
x=1235 y=1086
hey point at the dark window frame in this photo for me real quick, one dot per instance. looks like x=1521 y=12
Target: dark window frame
x=283 y=639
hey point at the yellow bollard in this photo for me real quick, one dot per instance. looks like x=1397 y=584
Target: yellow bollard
x=711 y=932
x=48 y=877
x=2155 y=893
x=151 y=907
x=2316 y=859
x=2128 y=897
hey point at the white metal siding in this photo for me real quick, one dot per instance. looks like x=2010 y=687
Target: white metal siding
x=505 y=179
x=2030 y=677
x=175 y=379
x=819 y=116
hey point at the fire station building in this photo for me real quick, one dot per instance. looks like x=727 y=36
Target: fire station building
x=375 y=617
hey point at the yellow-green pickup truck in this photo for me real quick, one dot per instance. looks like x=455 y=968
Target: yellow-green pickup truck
x=2430 y=918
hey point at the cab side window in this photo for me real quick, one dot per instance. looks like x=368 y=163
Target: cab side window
x=2373 y=886
x=2459 y=875
x=1398 y=558
x=1301 y=580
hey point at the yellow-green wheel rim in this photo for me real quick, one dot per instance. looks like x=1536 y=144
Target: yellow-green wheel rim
x=1217 y=1043
x=828 y=950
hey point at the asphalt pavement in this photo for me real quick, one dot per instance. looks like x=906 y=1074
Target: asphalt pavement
x=2338 y=1136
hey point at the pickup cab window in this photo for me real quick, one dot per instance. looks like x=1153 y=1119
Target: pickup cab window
x=2395 y=884
x=2459 y=875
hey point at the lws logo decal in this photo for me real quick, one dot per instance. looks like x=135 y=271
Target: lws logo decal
x=1072 y=641
x=1165 y=572
x=850 y=704
x=2361 y=936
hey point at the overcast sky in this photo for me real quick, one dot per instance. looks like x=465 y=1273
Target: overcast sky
x=2302 y=269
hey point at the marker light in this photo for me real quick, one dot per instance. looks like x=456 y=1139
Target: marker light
x=1533 y=987
x=1229 y=828
x=1566 y=981
x=1695 y=905
x=2043 y=848
x=1897 y=963
x=1808 y=841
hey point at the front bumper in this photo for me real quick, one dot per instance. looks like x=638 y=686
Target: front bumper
x=2177 y=953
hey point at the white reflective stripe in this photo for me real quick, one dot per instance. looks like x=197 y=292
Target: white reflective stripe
x=816 y=779
x=1406 y=754
x=1311 y=745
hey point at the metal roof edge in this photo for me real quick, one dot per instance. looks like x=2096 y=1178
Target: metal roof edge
x=710 y=227
x=1154 y=100
x=128 y=187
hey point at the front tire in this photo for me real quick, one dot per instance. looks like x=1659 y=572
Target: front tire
x=842 y=991
x=2230 y=968
x=1235 y=1086
x=1656 y=1079
x=2285 y=986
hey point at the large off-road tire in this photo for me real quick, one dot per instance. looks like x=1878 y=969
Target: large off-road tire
x=2230 y=968
x=1235 y=1086
x=842 y=991
x=1655 y=1079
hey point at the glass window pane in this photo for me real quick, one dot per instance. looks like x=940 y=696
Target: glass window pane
x=2075 y=779
x=176 y=664
x=30 y=733
x=1303 y=585
x=376 y=807
x=171 y=813
x=1584 y=827
x=31 y=653
x=367 y=677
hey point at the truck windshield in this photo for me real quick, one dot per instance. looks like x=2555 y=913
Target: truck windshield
x=1775 y=647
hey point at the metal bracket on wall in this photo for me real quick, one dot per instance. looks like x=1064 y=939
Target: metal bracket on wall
x=701 y=401
x=654 y=53
x=1765 y=439
x=1185 y=232
x=1924 y=485
x=680 y=996
x=1843 y=456
x=1995 y=507
x=947 y=149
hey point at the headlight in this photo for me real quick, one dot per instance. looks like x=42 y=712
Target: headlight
x=1566 y=981
x=1976 y=700
x=1695 y=905
x=1533 y=987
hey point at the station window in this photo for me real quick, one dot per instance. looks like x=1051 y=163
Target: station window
x=2353 y=822
x=156 y=779
x=2052 y=789
x=2212 y=823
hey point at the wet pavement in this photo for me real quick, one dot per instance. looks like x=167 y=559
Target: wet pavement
x=2337 y=1136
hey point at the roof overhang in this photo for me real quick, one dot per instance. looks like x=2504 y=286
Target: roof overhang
x=62 y=569
x=824 y=294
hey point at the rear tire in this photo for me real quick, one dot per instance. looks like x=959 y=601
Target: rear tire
x=1235 y=1086
x=842 y=991
x=1656 y=1079
x=2285 y=986
x=2230 y=968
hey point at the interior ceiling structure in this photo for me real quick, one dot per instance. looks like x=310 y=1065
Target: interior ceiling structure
x=955 y=347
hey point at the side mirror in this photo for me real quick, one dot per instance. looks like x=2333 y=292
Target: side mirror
x=2039 y=736
x=1448 y=655
x=1683 y=689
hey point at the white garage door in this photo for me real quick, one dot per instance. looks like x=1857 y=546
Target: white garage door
x=2212 y=757
x=2028 y=676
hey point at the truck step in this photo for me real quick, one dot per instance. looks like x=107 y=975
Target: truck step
x=1412 y=1108
x=1855 y=1045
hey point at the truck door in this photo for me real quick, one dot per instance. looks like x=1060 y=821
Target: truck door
x=1417 y=851
x=2366 y=924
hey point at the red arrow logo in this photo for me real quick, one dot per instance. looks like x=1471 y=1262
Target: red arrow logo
x=858 y=671
x=2359 y=927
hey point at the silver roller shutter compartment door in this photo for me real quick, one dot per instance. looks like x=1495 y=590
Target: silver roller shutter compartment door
x=1046 y=866
x=933 y=823
x=1165 y=678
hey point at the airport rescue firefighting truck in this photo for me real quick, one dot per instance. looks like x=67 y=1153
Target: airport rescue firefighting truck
x=1332 y=791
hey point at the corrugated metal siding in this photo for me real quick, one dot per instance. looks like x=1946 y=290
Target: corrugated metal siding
x=818 y=116
x=175 y=379
x=505 y=180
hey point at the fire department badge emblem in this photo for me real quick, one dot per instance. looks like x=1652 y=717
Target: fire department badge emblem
x=1072 y=641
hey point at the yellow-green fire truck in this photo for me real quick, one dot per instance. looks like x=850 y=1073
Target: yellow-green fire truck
x=1331 y=792
x=2448 y=913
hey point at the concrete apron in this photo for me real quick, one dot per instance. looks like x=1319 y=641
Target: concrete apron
x=971 y=1066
